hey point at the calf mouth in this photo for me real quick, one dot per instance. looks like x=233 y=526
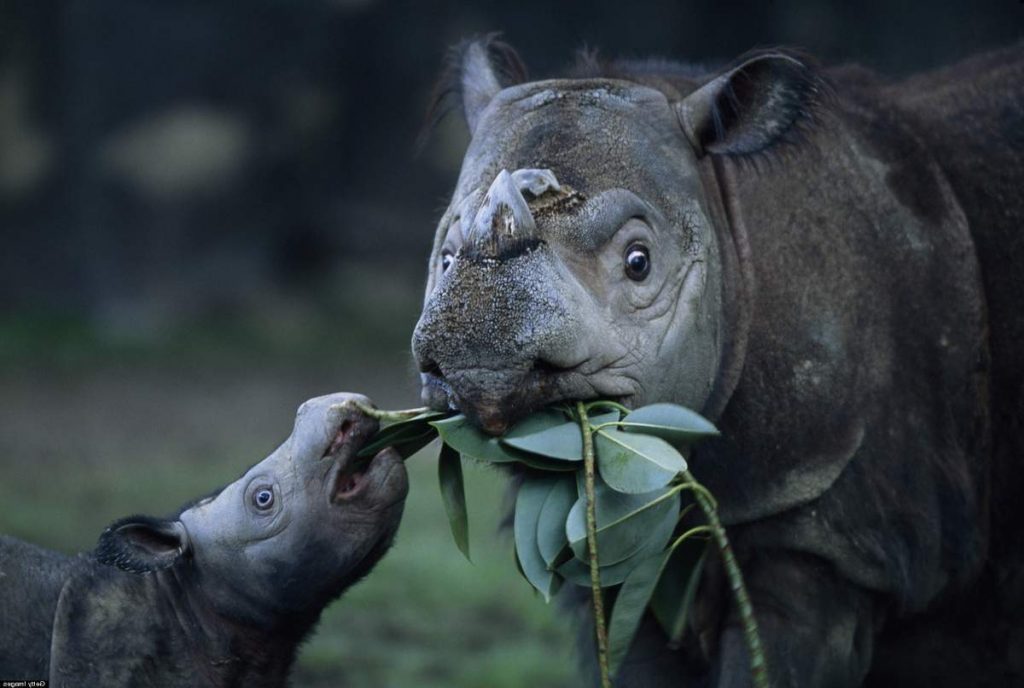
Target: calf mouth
x=348 y=484
x=381 y=478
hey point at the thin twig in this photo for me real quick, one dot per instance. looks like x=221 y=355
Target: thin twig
x=379 y=414
x=758 y=668
x=604 y=403
x=595 y=573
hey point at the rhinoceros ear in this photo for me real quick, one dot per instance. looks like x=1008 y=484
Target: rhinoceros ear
x=477 y=70
x=140 y=544
x=751 y=106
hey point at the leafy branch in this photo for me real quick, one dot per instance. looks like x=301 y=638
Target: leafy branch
x=595 y=568
x=601 y=505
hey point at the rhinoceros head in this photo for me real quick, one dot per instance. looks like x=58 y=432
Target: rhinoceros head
x=291 y=534
x=582 y=253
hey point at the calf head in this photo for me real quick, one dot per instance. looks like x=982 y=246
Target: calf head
x=287 y=537
x=582 y=253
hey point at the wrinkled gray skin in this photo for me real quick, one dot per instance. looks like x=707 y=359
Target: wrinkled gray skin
x=834 y=279
x=220 y=595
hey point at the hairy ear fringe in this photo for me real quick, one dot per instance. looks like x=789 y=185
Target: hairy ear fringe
x=447 y=93
x=808 y=104
x=116 y=549
x=811 y=96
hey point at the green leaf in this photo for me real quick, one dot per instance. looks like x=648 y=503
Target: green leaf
x=636 y=463
x=422 y=419
x=407 y=448
x=578 y=573
x=551 y=539
x=529 y=502
x=407 y=431
x=603 y=418
x=460 y=435
x=405 y=443
x=536 y=422
x=675 y=424
x=624 y=522
x=629 y=607
x=472 y=443
x=541 y=463
x=667 y=581
x=453 y=492
x=403 y=435
x=677 y=588
x=559 y=440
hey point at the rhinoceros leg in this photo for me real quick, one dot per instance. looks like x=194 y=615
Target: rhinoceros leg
x=817 y=628
x=653 y=664
x=650 y=663
x=818 y=631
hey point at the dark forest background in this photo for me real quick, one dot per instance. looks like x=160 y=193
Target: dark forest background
x=163 y=161
x=211 y=210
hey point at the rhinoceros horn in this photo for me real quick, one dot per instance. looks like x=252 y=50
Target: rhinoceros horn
x=504 y=226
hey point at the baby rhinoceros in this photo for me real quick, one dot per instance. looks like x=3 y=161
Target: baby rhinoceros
x=222 y=594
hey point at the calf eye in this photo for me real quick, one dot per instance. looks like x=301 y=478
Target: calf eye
x=446 y=260
x=263 y=498
x=638 y=262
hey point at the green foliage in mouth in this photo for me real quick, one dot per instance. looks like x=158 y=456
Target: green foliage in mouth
x=607 y=500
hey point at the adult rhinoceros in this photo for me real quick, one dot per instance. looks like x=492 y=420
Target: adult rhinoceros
x=827 y=265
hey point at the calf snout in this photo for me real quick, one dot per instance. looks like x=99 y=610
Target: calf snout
x=331 y=426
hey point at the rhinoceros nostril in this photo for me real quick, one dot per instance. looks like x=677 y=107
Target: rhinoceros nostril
x=546 y=367
x=339 y=438
x=430 y=368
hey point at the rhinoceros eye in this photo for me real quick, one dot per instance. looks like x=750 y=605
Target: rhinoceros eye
x=447 y=258
x=638 y=262
x=263 y=498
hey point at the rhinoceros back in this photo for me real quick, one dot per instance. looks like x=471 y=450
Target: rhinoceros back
x=971 y=116
x=30 y=582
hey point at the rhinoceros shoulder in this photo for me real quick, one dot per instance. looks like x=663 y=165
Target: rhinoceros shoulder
x=30 y=581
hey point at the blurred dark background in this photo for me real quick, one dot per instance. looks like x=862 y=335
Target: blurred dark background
x=166 y=161
x=211 y=210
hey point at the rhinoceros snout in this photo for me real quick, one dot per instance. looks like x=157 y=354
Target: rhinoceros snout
x=491 y=382
x=492 y=400
x=496 y=336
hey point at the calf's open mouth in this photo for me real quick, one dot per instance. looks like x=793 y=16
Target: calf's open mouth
x=349 y=474
x=353 y=477
x=348 y=484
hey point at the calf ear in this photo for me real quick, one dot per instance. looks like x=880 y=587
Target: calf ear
x=750 y=107
x=139 y=544
x=478 y=69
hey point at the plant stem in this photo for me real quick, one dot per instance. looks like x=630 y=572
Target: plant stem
x=595 y=573
x=692 y=532
x=604 y=403
x=758 y=668
x=379 y=414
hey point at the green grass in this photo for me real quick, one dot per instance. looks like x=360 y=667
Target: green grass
x=82 y=445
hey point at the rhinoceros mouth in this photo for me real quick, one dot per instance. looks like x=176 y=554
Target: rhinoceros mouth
x=436 y=392
x=496 y=409
x=491 y=404
x=375 y=480
x=348 y=484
